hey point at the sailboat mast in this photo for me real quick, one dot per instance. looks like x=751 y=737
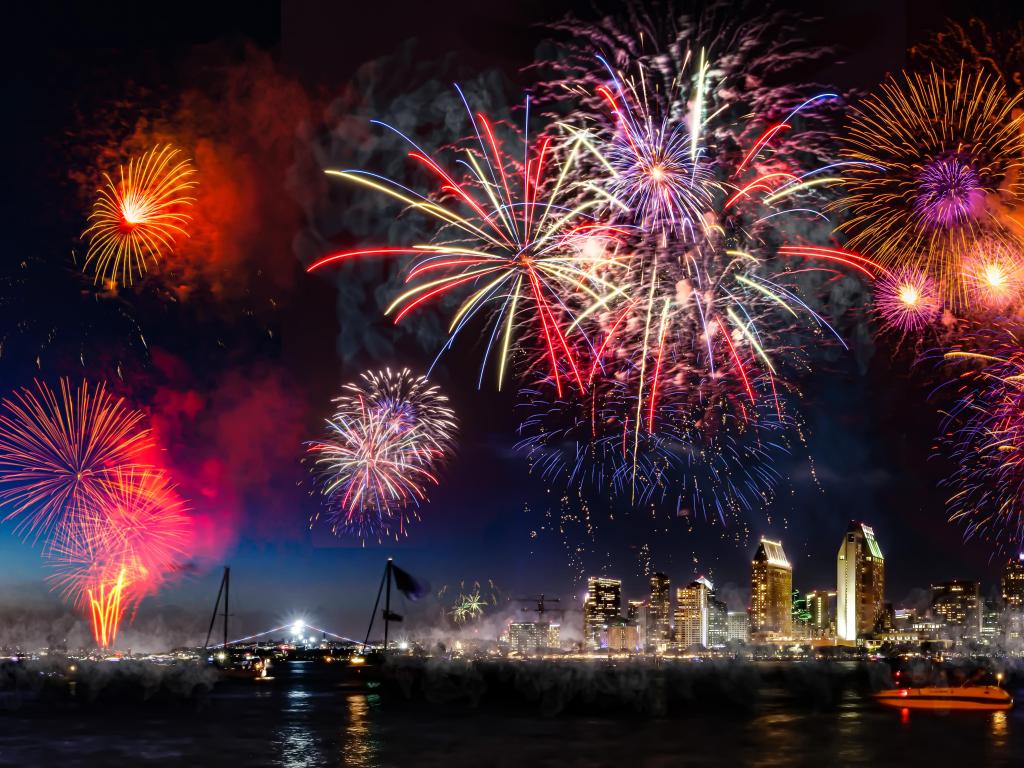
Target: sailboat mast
x=387 y=603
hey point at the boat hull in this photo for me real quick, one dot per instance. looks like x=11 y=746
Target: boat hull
x=980 y=697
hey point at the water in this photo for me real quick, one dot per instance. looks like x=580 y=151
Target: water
x=301 y=722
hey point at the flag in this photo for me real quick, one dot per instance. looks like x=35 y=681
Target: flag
x=408 y=584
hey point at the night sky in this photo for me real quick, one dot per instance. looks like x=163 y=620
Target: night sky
x=237 y=358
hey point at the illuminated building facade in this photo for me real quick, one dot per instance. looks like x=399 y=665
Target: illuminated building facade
x=659 y=612
x=1012 y=584
x=956 y=605
x=860 y=583
x=821 y=605
x=737 y=627
x=622 y=636
x=718 y=631
x=637 y=614
x=531 y=636
x=771 y=590
x=603 y=602
x=692 y=613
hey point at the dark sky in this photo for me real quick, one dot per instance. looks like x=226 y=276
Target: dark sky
x=267 y=328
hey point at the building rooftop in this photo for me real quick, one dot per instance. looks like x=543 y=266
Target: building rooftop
x=772 y=553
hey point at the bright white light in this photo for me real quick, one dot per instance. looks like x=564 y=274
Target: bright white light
x=297 y=628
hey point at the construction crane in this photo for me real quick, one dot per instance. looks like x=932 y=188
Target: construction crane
x=540 y=602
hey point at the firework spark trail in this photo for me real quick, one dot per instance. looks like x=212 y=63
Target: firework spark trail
x=139 y=217
x=389 y=434
x=983 y=436
x=514 y=252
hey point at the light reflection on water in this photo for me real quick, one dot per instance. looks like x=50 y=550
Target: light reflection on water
x=303 y=720
x=360 y=747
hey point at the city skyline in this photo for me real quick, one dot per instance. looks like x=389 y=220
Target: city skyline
x=491 y=518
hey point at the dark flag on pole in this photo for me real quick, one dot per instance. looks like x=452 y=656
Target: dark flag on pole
x=408 y=584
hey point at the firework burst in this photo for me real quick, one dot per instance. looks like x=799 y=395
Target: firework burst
x=934 y=156
x=57 y=448
x=131 y=534
x=468 y=607
x=907 y=300
x=389 y=433
x=137 y=218
x=508 y=243
x=687 y=377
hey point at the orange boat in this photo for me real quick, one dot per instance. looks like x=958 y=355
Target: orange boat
x=964 y=697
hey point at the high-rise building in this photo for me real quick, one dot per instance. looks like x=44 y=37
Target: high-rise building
x=860 y=583
x=821 y=605
x=604 y=598
x=956 y=605
x=622 y=636
x=633 y=609
x=718 y=631
x=801 y=616
x=637 y=614
x=991 y=617
x=532 y=636
x=737 y=627
x=771 y=589
x=1012 y=583
x=692 y=613
x=659 y=612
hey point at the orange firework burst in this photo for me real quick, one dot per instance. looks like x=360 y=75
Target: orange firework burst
x=56 y=448
x=934 y=157
x=139 y=217
x=131 y=535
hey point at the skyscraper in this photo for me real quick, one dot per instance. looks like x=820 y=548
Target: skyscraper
x=659 y=612
x=771 y=588
x=636 y=614
x=604 y=598
x=957 y=606
x=821 y=604
x=1013 y=601
x=860 y=583
x=1013 y=583
x=692 y=613
x=718 y=631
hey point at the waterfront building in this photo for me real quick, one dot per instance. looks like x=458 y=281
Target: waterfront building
x=737 y=627
x=1012 y=584
x=622 y=636
x=718 y=631
x=860 y=583
x=771 y=589
x=991 y=621
x=801 y=616
x=659 y=612
x=905 y=618
x=821 y=605
x=527 y=637
x=602 y=604
x=692 y=613
x=637 y=613
x=956 y=605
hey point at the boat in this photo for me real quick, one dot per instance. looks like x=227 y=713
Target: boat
x=963 y=697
